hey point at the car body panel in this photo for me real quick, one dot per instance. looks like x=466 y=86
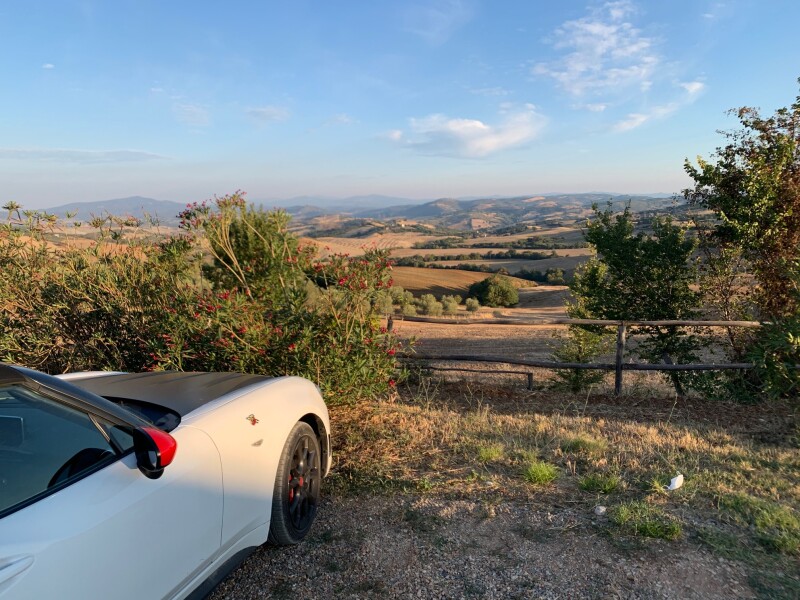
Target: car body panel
x=117 y=530
x=250 y=428
x=134 y=534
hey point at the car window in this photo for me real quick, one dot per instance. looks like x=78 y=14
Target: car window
x=45 y=444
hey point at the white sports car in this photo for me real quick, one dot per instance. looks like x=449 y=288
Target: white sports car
x=151 y=485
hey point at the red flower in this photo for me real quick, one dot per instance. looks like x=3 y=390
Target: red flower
x=292 y=347
x=391 y=352
x=392 y=383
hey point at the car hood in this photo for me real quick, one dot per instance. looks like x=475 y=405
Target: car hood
x=178 y=391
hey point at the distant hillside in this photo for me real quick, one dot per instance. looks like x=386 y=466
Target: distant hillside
x=330 y=206
x=496 y=212
x=136 y=206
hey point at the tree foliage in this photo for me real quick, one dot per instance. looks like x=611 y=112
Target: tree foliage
x=494 y=291
x=640 y=276
x=753 y=189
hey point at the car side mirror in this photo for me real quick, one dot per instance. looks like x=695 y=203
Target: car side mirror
x=154 y=449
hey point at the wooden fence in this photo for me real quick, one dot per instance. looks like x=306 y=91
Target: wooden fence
x=618 y=366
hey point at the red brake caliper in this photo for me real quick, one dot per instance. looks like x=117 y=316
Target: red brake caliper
x=291 y=489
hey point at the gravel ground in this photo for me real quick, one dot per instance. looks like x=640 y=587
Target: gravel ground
x=412 y=547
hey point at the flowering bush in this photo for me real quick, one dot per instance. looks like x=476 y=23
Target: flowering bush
x=235 y=291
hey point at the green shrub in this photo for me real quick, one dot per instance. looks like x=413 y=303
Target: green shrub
x=126 y=303
x=429 y=305
x=472 y=304
x=409 y=310
x=495 y=291
x=580 y=345
x=450 y=304
x=775 y=354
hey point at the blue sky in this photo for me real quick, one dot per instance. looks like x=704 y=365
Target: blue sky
x=183 y=100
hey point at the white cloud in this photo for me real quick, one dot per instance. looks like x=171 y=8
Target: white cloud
x=64 y=155
x=192 y=114
x=48 y=66
x=394 y=134
x=632 y=121
x=440 y=135
x=268 y=114
x=637 y=119
x=592 y=107
x=436 y=20
x=341 y=119
x=604 y=52
x=693 y=87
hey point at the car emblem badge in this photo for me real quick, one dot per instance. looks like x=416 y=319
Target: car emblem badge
x=252 y=419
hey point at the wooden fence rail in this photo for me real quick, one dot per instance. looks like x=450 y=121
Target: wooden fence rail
x=618 y=366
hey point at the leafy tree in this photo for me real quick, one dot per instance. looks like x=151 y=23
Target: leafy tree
x=495 y=291
x=554 y=276
x=472 y=304
x=429 y=305
x=640 y=277
x=450 y=304
x=753 y=188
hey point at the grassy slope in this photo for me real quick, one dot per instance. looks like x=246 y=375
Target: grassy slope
x=741 y=465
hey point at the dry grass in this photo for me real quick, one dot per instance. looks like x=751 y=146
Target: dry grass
x=465 y=440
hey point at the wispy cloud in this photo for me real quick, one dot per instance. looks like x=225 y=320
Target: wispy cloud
x=268 y=114
x=637 y=119
x=340 y=119
x=64 y=155
x=604 y=51
x=192 y=114
x=48 y=66
x=440 y=135
x=591 y=107
x=693 y=87
x=436 y=20
x=714 y=11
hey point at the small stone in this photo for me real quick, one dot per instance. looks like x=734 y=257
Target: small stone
x=600 y=510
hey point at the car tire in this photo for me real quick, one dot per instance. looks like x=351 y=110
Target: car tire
x=297 y=487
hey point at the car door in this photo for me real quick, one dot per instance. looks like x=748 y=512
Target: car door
x=79 y=520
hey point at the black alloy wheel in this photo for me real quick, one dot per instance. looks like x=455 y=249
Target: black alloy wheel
x=297 y=487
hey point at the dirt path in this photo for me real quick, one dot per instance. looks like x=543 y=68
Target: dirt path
x=418 y=547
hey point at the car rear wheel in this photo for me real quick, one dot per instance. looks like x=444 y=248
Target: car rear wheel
x=297 y=487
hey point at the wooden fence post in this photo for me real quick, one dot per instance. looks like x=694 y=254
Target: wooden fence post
x=530 y=381
x=620 y=354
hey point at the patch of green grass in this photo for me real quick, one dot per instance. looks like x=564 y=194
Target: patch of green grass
x=584 y=444
x=540 y=473
x=490 y=453
x=640 y=518
x=603 y=483
x=777 y=526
